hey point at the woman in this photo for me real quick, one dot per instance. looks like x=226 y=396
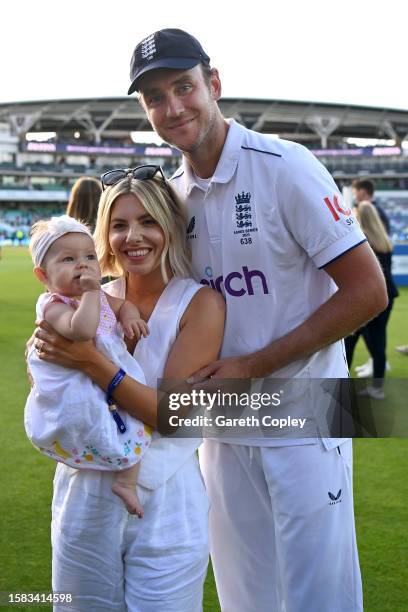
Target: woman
x=84 y=199
x=375 y=331
x=106 y=559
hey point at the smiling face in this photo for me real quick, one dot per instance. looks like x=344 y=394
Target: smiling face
x=182 y=105
x=67 y=258
x=135 y=238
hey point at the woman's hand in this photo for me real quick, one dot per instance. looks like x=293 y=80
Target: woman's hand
x=54 y=348
x=29 y=344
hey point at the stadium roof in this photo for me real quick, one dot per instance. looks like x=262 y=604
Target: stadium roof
x=111 y=118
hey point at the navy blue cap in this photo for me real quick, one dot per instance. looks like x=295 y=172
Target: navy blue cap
x=169 y=48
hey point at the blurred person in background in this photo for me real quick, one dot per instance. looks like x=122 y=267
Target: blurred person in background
x=374 y=332
x=84 y=200
x=363 y=191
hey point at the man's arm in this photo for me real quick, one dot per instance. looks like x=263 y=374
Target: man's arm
x=361 y=295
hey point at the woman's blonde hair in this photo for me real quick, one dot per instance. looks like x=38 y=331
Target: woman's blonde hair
x=373 y=228
x=167 y=210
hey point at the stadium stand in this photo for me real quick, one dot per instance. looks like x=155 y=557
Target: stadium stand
x=88 y=137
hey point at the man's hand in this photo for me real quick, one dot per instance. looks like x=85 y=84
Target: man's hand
x=230 y=367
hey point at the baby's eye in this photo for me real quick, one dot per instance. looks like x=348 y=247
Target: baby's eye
x=91 y=256
x=68 y=259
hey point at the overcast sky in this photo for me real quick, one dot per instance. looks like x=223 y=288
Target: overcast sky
x=348 y=52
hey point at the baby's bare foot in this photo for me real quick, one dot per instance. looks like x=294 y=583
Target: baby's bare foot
x=128 y=494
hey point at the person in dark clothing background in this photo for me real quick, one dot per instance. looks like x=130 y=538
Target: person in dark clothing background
x=374 y=332
x=363 y=191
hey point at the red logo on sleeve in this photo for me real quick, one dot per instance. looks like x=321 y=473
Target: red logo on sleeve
x=336 y=208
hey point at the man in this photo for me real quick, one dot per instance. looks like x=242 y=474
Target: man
x=267 y=228
x=363 y=191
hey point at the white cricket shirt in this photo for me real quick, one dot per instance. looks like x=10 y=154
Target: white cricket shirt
x=270 y=220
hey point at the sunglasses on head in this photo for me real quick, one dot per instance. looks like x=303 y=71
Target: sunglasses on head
x=140 y=173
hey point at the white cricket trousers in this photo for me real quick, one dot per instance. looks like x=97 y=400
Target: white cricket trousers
x=114 y=562
x=282 y=533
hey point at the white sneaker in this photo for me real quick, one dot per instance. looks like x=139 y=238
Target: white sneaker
x=365 y=365
x=367 y=369
x=376 y=393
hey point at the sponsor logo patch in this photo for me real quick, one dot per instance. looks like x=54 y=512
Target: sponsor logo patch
x=336 y=208
x=190 y=229
x=335 y=499
x=237 y=284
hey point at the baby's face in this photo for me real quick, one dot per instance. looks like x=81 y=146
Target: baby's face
x=67 y=259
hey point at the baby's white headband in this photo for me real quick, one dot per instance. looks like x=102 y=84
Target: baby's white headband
x=57 y=227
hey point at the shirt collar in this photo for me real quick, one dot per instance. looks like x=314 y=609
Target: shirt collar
x=226 y=164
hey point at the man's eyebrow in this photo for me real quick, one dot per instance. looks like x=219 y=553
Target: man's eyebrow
x=149 y=90
x=184 y=77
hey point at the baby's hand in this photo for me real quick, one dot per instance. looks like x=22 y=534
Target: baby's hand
x=135 y=328
x=89 y=281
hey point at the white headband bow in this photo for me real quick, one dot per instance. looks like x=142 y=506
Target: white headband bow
x=57 y=227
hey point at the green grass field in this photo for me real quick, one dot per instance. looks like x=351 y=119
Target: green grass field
x=380 y=475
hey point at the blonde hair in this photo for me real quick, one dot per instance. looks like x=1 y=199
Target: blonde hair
x=373 y=227
x=166 y=210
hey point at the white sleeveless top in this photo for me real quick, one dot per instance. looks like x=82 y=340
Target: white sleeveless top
x=165 y=455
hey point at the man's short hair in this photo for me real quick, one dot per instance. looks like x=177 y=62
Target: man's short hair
x=206 y=70
x=365 y=184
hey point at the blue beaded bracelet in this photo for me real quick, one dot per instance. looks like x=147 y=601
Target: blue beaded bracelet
x=119 y=376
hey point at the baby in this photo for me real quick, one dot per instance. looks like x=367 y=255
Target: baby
x=91 y=434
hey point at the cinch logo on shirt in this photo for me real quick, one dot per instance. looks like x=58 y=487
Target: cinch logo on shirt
x=236 y=284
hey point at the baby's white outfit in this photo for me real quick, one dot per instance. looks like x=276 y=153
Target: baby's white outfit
x=67 y=415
